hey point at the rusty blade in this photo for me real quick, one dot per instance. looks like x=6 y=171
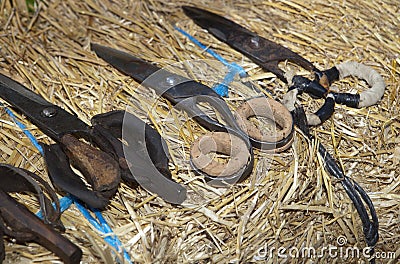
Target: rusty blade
x=263 y=52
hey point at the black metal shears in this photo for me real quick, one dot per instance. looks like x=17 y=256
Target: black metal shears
x=186 y=94
x=96 y=150
x=268 y=54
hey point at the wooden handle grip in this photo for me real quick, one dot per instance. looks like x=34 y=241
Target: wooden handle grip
x=99 y=168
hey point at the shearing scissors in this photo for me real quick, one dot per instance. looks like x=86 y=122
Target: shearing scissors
x=229 y=138
x=102 y=164
x=268 y=54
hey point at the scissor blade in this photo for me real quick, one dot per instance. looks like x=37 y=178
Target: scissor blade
x=264 y=52
x=164 y=82
x=130 y=65
x=51 y=119
x=219 y=26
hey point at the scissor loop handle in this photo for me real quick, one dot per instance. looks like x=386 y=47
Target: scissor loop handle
x=372 y=77
x=141 y=152
x=279 y=137
x=65 y=179
x=225 y=136
x=319 y=88
x=109 y=127
x=15 y=179
x=221 y=173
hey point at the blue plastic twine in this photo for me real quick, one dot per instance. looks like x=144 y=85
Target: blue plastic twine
x=65 y=202
x=24 y=129
x=102 y=226
x=233 y=68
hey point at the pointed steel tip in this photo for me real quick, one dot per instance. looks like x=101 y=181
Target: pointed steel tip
x=107 y=53
x=188 y=8
x=192 y=11
x=215 y=24
x=97 y=48
x=126 y=63
x=110 y=55
x=93 y=46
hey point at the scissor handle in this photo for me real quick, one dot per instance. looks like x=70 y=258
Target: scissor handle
x=110 y=126
x=100 y=170
x=217 y=173
x=319 y=88
x=98 y=167
x=143 y=157
x=13 y=179
x=18 y=216
x=280 y=137
x=65 y=179
x=22 y=225
x=220 y=133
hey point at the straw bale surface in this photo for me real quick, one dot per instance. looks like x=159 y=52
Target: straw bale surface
x=289 y=201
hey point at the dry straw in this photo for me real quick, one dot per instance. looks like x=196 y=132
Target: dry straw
x=289 y=201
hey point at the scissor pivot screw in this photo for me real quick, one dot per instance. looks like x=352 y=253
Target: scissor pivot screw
x=49 y=112
x=170 y=80
x=255 y=42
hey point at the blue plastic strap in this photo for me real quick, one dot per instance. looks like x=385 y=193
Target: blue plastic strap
x=115 y=240
x=65 y=202
x=233 y=68
x=24 y=129
x=102 y=226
